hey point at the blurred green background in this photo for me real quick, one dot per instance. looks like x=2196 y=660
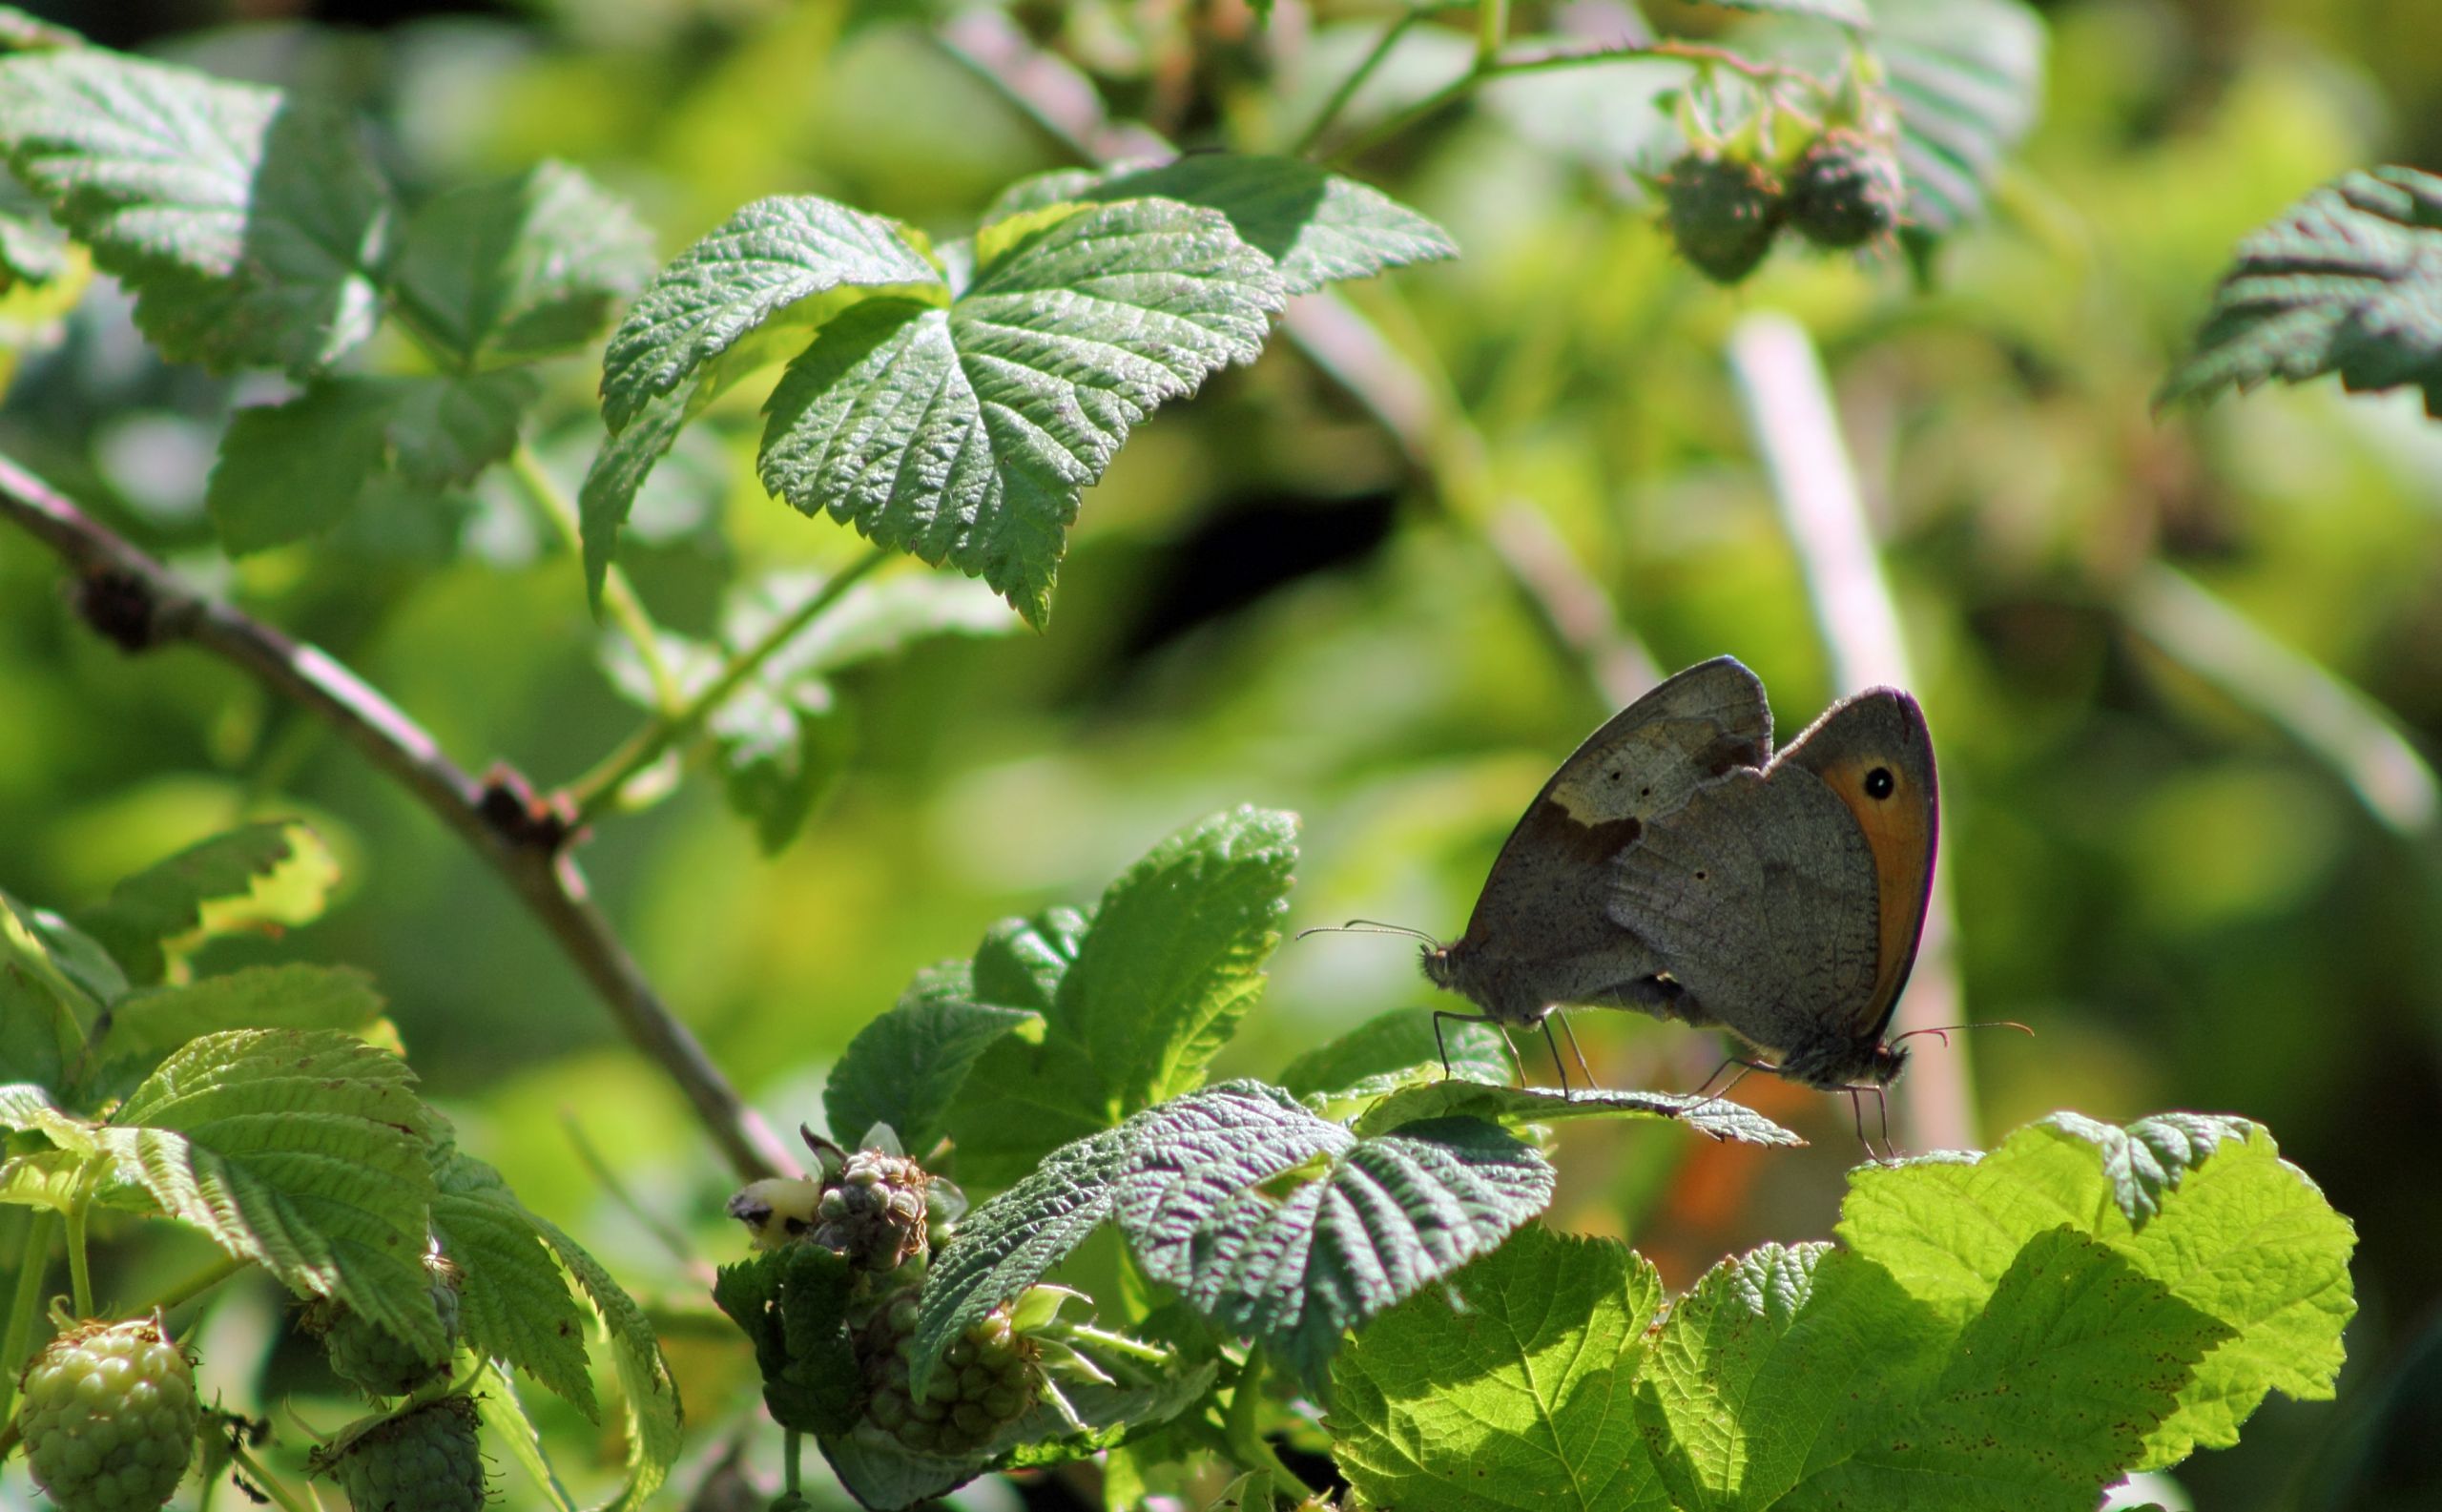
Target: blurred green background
x=2201 y=885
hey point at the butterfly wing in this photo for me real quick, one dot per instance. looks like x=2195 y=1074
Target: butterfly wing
x=1539 y=934
x=1758 y=895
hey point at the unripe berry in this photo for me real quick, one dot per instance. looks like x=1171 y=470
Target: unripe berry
x=427 y=1460
x=1722 y=212
x=108 y=1417
x=1846 y=191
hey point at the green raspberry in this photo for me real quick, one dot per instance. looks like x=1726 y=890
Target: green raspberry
x=108 y=1417
x=1722 y=212
x=426 y=1461
x=378 y=1362
x=1846 y=191
x=986 y=1380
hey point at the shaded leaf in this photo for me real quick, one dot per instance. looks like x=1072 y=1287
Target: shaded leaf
x=792 y=1303
x=253 y=228
x=264 y=876
x=2349 y=280
x=288 y=470
x=1508 y=1387
x=522 y=267
x=158 y=1020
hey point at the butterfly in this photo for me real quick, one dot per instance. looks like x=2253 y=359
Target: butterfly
x=1676 y=865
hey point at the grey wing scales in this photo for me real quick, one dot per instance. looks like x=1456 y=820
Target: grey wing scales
x=1758 y=895
x=1687 y=731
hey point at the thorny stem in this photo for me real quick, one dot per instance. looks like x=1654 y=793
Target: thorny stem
x=129 y=596
x=618 y=597
x=600 y=787
x=1245 y=1432
x=81 y=1276
x=1492 y=28
x=1325 y=118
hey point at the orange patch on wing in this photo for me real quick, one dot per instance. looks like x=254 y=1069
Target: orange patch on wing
x=1899 y=831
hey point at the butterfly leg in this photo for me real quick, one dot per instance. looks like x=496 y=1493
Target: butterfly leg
x=1440 y=1014
x=1579 y=1052
x=1744 y=1066
x=1889 y=1154
x=1558 y=1063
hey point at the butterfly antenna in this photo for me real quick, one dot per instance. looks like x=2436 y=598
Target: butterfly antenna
x=1369 y=926
x=1942 y=1031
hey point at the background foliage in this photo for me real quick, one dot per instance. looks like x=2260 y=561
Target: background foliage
x=2203 y=888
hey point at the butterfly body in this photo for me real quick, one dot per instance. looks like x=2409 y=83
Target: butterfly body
x=1676 y=866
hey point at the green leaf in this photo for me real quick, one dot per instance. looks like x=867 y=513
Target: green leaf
x=253 y=228
x=793 y=1304
x=966 y=435
x=33 y=252
x=1171 y=961
x=305 y=1151
x=1388 y=1216
x=497 y=1408
x=2248 y=1240
x=523 y=267
x=1009 y=1243
x=157 y=1021
x=780 y=757
x=1807 y=1377
x=607 y=495
x=1508 y=1387
x=874 y=618
x=288 y=470
x=1513 y=1107
x=1968 y=77
x=1196 y=1186
x=1316 y=226
x=258 y=877
x=48 y=1004
x=28 y=1108
x=1388 y=1046
x=1175 y=955
x=43 y=1178
x=648 y=1398
x=513 y=1303
x=905 y=1067
x=2349 y=280
x=770 y=272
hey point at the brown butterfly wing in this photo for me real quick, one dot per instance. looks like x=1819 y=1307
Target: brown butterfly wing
x=1540 y=934
x=1758 y=897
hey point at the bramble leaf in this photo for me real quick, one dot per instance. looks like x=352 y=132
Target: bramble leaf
x=305 y=1150
x=513 y=1302
x=1316 y=226
x=253 y=228
x=155 y=1021
x=2349 y=280
x=1272 y=1223
x=268 y=876
x=1508 y=1387
x=1172 y=959
x=905 y=1067
x=1514 y=1105
x=1380 y=1054
x=522 y=267
x=1968 y=77
x=966 y=435
x=2250 y=1241
x=791 y=1302
x=647 y=1395
x=1847 y=12
x=291 y=469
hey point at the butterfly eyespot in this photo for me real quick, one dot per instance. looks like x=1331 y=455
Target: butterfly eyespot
x=1880 y=783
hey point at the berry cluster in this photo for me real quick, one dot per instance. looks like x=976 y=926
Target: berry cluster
x=108 y=1417
x=986 y=1381
x=426 y=1461
x=1722 y=211
x=874 y=1214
